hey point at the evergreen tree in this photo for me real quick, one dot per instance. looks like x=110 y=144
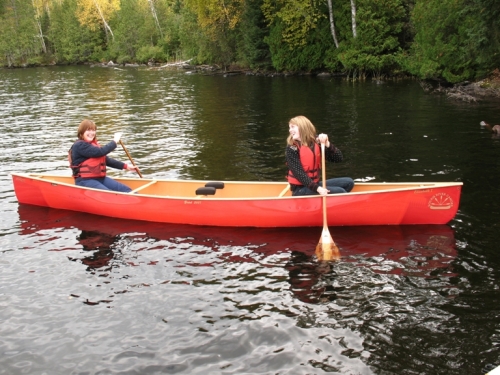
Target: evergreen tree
x=251 y=50
x=72 y=42
x=18 y=42
x=374 y=49
x=131 y=27
x=455 y=39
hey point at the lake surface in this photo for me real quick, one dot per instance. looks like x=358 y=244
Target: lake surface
x=81 y=294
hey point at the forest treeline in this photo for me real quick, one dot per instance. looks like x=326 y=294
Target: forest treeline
x=450 y=40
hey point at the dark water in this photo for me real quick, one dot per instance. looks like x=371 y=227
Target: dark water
x=81 y=294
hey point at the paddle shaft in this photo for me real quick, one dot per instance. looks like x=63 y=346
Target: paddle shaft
x=130 y=158
x=326 y=249
x=323 y=178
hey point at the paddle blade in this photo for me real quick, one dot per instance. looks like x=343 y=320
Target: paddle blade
x=326 y=248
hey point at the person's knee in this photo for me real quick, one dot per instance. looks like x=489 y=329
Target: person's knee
x=350 y=185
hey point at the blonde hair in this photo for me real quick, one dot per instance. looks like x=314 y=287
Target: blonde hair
x=306 y=129
x=84 y=126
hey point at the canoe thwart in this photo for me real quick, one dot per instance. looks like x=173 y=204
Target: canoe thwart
x=284 y=191
x=143 y=186
x=215 y=184
x=210 y=190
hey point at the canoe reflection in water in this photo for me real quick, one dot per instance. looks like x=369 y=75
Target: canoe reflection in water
x=412 y=251
x=311 y=281
x=101 y=247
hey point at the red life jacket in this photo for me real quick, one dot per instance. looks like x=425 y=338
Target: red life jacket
x=310 y=162
x=90 y=168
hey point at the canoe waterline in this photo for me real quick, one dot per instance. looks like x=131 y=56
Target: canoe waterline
x=246 y=204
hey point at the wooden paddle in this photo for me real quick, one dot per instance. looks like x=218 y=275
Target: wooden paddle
x=326 y=248
x=130 y=158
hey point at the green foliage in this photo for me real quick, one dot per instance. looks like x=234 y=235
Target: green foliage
x=72 y=43
x=216 y=26
x=451 y=37
x=128 y=25
x=308 y=57
x=143 y=33
x=452 y=40
x=147 y=53
x=297 y=18
x=18 y=42
x=374 y=50
x=191 y=37
x=252 y=51
x=170 y=21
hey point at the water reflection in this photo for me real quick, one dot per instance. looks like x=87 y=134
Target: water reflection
x=205 y=300
x=311 y=281
x=100 y=246
x=426 y=251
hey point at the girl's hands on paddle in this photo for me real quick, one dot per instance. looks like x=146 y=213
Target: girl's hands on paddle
x=117 y=137
x=323 y=138
x=130 y=167
x=322 y=191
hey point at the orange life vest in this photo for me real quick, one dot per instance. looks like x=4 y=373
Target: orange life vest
x=90 y=168
x=310 y=161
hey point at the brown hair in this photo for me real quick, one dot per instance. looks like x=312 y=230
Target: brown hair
x=306 y=129
x=84 y=126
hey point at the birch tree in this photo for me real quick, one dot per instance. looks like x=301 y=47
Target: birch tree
x=40 y=6
x=353 y=18
x=155 y=16
x=332 y=23
x=93 y=13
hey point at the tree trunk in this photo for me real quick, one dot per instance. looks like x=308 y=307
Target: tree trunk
x=39 y=26
x=42 y=41
x=155 y=16
x=332 y=24
x=106 y=26
x=353 y=15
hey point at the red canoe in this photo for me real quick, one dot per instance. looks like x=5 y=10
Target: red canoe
x=245 y=204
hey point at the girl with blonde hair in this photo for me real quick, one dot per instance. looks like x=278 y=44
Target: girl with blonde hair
x=303 y=157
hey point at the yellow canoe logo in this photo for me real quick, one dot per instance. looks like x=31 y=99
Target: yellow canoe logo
x=441 y=201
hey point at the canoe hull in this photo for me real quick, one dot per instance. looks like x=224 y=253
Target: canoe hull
x=432 y=204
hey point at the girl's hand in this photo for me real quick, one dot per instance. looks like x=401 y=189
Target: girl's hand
x=323 y=138
x=117 y=137
x=322 y=191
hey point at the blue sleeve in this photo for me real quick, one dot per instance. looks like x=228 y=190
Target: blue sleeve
x=113 y=163
x=83 y=150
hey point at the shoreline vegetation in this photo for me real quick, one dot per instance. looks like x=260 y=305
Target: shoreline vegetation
x=450 y=46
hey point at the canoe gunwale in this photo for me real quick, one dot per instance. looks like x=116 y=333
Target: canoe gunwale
x=405 y=186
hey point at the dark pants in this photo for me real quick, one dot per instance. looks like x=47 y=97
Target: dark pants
x=335 y=185
x=105 y=183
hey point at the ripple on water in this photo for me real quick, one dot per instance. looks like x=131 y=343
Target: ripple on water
x=87 y=295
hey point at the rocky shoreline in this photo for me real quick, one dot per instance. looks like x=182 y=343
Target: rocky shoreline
x=470 y=92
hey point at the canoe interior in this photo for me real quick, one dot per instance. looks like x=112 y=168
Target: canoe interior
x=232 y=189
